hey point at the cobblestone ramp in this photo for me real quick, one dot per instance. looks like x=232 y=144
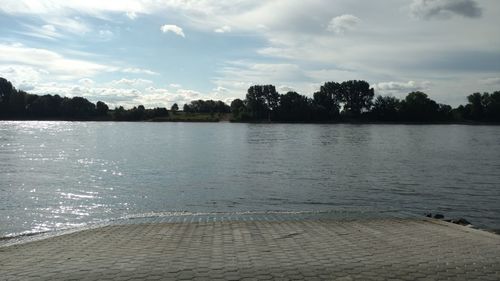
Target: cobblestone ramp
x=324 y=249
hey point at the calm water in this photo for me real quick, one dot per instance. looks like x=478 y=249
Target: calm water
x=63 y=174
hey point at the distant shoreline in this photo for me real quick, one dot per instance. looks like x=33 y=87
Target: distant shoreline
x=217 y=120
x=349 y=102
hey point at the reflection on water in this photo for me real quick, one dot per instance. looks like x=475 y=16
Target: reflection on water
x=65 y=174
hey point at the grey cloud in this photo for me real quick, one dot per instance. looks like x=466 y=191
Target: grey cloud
x=491 y=81
x=400 y=87
x=343 y=23
x=427 y=9
x=461 y=61
x=284 y=89
x=25 y=86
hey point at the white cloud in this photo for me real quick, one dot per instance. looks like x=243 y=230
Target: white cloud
x=46 y=31
x=73 y=25
x=223 y=29
x=392 y=47
x=188 y=94
x=262 y=73
x=59 y=17
x=131 y=82
x=400 y=87
x=220 y=90
x=22 y=65
x=207 y=14
x=110 y=94
x=105 y=34
x=174 y=85
x=445 y=8
x=120 y=93
x=49 y=30
x=86 y=82
x=135 y=70
x=90 y=7
x=19 y=74
x=131 y=15
x=343 y=23
x=172 y=28
x=184 y=96
x=236 y=77
x=52 y=62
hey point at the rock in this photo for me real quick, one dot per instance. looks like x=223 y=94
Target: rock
x=429 y=215
x=438 y=216
x=461 y=221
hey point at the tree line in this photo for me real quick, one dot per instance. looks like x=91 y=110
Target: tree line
x=19 y=105
x=349 y=101
x=354 y=101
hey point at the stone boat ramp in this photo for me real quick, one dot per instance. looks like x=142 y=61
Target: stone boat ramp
x=270 y=246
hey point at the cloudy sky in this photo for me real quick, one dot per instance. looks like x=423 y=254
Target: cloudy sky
x=155 y=53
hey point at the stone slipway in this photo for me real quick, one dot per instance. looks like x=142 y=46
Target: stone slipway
x=305 y=249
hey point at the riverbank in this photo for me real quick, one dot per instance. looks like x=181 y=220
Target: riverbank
x=208 y=118
x=172 y=117
x=311 y=249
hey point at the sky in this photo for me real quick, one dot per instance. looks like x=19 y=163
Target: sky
x=156 y=53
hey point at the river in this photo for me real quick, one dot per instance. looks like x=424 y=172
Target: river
x=56 y=175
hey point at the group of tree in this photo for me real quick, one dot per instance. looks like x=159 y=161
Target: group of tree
x=349 y=101
x=206 y=106
x=355 y=101
x=481 y=107
x=138 y=113
x=416 y=107
x=17 y=104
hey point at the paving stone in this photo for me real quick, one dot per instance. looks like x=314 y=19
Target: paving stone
x=274 y=248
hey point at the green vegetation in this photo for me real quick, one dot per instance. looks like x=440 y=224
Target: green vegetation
x=349 y=101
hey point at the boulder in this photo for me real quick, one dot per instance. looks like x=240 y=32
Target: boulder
x=438 y=216
x=461 y=221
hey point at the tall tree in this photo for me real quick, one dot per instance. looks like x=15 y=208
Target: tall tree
x=17 y=104
x=101 y=108
x=477 y=105
x=46 y=106
x=77 y=107
x=444 y=112
x=221 y=107
x=187 y=108
x=238 y=109
x=493 y=109
x=261 y=101
x=386 y=108
x=207 y=106
x=357 y=97
x=174 y=108
x=327 y=100
x=6 y=91
x=418 y=107
x=294 y=107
